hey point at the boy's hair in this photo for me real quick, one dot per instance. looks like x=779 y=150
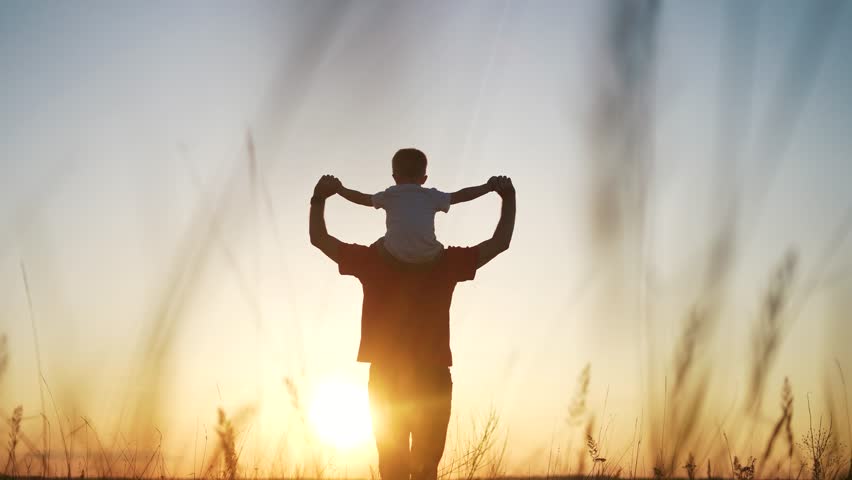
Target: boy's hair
x=409 y=163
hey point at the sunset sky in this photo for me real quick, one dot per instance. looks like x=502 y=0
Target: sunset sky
x=124 y=127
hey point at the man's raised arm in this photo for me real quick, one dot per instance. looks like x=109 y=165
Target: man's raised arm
x=326 y=187
x=499 y=242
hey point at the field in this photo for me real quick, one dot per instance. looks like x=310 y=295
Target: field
x=674 y=305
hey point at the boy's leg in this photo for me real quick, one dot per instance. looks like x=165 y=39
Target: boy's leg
x=432 y=393
x=389 y=413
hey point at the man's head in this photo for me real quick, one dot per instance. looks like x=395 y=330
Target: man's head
x=409 y=166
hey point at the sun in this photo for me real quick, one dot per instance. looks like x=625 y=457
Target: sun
x=340 y=414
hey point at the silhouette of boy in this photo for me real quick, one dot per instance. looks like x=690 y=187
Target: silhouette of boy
x=410 y=208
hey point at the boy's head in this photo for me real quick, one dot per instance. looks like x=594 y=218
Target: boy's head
x=409 y=166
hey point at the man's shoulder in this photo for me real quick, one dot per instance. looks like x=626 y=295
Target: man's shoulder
x=374 y=263
x=460 y=255
x=461 y=262
x=449 y=257
x=355 y=259
x=354 y=251
x=454 y=252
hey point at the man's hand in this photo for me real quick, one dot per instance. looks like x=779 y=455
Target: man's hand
x=327 y=186
x=499 y=242
x=503 y=186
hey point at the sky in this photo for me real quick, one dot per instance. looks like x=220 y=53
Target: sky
x=167 y=263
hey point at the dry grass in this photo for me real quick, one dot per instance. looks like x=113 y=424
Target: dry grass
x=224 y=460
x=824 y=454
x=106 y=461
x=848 y=417
x=477 y=451
x=480 y=455
x=45 y=429
x=227 y=444
x=483 y=452
x=598 y=461
x=784 y=423
x=14 y=431
x=744 y=471
x=691 y=467
x=4 y=355
x=769 y=331
x=577 y=409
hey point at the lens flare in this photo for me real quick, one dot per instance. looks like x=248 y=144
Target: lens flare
x=340 y=415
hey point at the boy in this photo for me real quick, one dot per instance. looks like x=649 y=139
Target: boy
x=410 y=208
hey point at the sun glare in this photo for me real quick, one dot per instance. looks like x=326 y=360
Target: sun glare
x=340 y=414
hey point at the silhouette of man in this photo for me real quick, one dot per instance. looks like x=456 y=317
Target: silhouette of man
x=405 y=333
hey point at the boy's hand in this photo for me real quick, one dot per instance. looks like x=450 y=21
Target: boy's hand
x=492 y=183
x=503 y=186
x=327 y=186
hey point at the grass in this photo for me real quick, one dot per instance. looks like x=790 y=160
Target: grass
x=480 y=450
x=675 y=442
x=480 y=454
x=822 y=451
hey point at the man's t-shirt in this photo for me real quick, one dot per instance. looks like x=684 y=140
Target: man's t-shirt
x=410 y=221
x=405 y=316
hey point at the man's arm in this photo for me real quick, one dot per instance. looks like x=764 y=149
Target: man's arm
x=326 y=187
x=470 y=193
x=499 y=242
x=355 y=196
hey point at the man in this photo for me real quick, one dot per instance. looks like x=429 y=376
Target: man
x=405 y=333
